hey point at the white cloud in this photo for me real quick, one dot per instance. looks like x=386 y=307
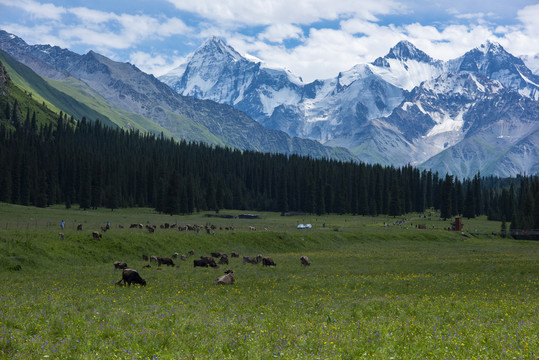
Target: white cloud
x=155 y=64
x=267 y=12
x=279 y=32
x=37 y=10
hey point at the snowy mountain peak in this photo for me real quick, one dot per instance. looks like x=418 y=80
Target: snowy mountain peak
x=405 y=50
x=216 y=47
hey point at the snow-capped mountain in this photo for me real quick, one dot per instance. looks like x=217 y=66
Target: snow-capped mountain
x=405 y=107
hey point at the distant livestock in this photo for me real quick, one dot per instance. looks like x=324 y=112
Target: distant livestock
x=165 y=261
x=224 y=259
x=252 y=260
x=97 y=235
x=145 y=257
x=61 y=236
x=79 y=227
x=305 y=261
x=267 y=261
x=234 y=254
x=120 y=265
x=210 y=261
x=130 y=276
x=200 y=263
x=191 y=252
x=227 y=279
x=183 y=257
x=175 y=256
x=153 y=258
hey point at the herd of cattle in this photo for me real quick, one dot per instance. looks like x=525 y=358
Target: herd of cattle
x=131 y=276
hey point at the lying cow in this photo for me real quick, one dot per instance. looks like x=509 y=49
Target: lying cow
x=305 y=261
x=165 y=261
x=267 y=261
x=120 y=265
x=252 y=260
x=97 y=235
x=227 y=279
x=130 y=276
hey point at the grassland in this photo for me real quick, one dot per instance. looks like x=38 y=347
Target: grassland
x=372 y=291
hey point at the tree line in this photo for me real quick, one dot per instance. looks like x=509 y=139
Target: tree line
x=90 y=165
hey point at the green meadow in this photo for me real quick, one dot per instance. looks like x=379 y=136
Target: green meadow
x=378 y=288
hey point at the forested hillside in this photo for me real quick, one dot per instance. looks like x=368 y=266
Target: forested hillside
x=61 y=161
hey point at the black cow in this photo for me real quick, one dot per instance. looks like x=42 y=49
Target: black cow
x=224 y=259
x=201 y=263
x=210 y=261
x=145 y=257
x=130 y=276
x=267 y=261
x=234 y=254
x=216 y=254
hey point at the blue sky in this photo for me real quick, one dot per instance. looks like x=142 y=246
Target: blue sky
x=312 y=38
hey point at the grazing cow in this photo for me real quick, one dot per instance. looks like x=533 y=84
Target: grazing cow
x=183 y=257
x=252 y=228
x=175 y=256
x=305 y=261
x=191 y=252
x=130 y=276
x=120 y=265
x=201 y=263
x=227 y=279
x=79 y=227
x=61 y=236
x=154 y=258
x=97 y=235
x=145 y=257
x=104 y=229
x=165 y=261
x=224 y=259
x=267 y=261
x=234 y=254
x=132 y=226
x=252 y=260
x=210 y=261
x=216 y=254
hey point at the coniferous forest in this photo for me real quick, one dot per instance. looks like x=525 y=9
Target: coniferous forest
x=90 y=165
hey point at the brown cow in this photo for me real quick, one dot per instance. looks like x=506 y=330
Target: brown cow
x=165 y=261
x=305 y=261
x=227 y=279
x=130 y=276
x=97 y=235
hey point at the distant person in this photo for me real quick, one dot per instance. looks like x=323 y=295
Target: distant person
x=62 y=224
